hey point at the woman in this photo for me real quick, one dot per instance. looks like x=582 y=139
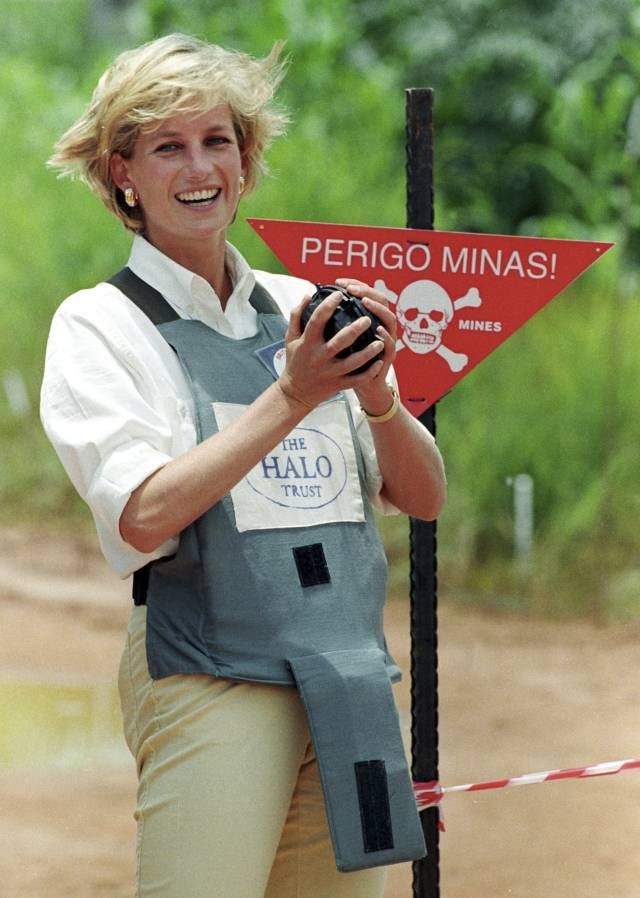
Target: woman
x=161 y=397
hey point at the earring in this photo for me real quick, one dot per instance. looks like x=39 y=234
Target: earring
x=241 y=185
x=131 y=197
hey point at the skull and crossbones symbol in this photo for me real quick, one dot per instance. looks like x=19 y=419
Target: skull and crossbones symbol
x=425 y=310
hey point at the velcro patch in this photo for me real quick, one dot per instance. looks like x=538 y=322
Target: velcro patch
x=312 y=565
x=375 y=812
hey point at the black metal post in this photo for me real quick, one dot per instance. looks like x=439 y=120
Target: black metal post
x=424 y=620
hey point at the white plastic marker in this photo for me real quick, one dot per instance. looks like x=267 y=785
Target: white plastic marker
x=16 y=393
x=431 y=793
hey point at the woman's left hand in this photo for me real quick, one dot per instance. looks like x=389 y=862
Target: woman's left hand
x=374 y=396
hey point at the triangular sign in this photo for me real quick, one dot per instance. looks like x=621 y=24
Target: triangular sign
x=457 y=296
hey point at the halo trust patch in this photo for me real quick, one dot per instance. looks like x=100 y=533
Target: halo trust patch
x=310 y=477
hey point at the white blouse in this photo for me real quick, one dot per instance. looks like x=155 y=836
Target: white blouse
x=115 y=403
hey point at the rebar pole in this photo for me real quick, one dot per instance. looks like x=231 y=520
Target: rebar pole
x=424 y=620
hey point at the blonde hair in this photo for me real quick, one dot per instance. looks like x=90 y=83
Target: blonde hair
x=172 y=75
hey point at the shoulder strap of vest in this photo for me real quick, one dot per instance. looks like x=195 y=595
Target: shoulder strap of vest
x=148 y=300
x=263 y=302
x=158 y=310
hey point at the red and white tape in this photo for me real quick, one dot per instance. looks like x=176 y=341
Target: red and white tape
x=431 y=793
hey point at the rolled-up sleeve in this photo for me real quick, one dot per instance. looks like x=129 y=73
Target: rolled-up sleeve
x=107 y=434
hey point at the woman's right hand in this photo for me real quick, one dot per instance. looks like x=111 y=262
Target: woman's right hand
x=313 y=373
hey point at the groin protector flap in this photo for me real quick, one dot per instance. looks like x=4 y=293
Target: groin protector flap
x=355 y=730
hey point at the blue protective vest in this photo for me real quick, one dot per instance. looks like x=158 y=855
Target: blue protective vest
x=247 y=598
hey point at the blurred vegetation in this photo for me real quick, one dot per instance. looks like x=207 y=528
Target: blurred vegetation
x=537 y=132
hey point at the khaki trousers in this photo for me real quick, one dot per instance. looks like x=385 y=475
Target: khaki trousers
x=229 y=798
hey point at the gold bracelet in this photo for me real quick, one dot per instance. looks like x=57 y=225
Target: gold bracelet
x=388 y=415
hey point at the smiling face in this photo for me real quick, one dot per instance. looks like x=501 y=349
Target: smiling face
x=186 y=173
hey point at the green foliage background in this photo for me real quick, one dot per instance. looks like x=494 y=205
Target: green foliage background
x=537 y=132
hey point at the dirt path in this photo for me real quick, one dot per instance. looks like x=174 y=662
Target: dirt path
x=516 y=696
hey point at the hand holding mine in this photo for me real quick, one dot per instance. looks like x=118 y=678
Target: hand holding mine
x=349 y=310
x=324 y=357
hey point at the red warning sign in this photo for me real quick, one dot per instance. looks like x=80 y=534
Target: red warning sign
x=457 y=296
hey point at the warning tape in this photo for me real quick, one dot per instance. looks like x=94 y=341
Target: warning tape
x=431 y=793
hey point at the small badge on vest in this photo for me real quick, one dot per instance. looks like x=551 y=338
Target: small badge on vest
x=273 y=357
